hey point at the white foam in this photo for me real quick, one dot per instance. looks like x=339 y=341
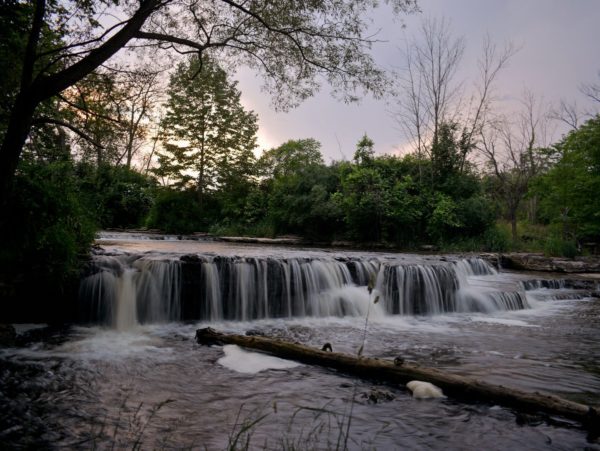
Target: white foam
x=237 y=359
x=109 y=345
x=503 y=321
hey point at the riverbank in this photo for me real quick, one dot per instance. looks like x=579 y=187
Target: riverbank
x=540 y=262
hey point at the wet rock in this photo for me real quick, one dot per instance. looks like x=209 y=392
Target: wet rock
x=8 y=335
x=377 y=396
x=492 y=258
x=288 y=240
x=53 y=335
x=524 y=419
x=255 y=333
x=190 y=258
x=539 y=262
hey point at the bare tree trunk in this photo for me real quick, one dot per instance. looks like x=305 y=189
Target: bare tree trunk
x=513 y=228
x=130 y=137
x=201 y=175
x=513 y=224
x=386 y=371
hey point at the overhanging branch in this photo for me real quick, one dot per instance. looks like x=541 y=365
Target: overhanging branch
x=49 y=120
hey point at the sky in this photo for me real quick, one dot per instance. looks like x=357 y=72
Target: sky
x=559 y=50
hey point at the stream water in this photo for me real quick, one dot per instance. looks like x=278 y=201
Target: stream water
x=130 y=375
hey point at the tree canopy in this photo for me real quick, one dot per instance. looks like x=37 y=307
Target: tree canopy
x=292 y=44
x=569 y=190
x=208 y=133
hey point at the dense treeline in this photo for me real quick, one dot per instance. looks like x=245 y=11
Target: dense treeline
x=384 y=199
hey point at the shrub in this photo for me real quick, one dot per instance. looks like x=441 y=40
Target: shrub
x=558 y=247
x=119 y=196
x=45 y=233
x=176 y=212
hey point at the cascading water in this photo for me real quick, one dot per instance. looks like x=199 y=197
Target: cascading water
x=126 y=290
x=191 y=397
x=124 y=293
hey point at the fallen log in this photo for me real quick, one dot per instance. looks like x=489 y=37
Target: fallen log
x=385 y=371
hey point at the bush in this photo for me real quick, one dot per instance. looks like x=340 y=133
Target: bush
x=496 y=239
x=176 y=212
x=119 y=196
x=45 y=234
x=476 y=216
x=263 y=229
x=558 y=247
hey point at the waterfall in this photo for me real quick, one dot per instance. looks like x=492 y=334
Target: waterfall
x=126 y=308
x=536 y=284
x=125 y=290
x=124 y=293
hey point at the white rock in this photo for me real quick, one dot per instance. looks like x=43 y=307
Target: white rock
x=242 y=361
x=423 y=390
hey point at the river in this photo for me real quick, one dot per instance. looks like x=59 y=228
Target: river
x=130 y=374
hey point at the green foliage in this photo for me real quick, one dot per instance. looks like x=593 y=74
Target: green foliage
x=263 y=229
x=393 y=199
x=364 y=199
x=14 y=22
x=118 y=196
x=476 y=215
x=364 y=150
x=176 y=212
x=444 y=219
x=44 y=239
x=494 y=239
x=555 y=246
x=299 y=192
x=98 y=96
x=209 y=146
x=569 y=191
x=291 y=158
x=208 y=132
x=48 y=227
x=445 y=154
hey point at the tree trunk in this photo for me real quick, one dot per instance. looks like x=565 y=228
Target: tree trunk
x=201 y=174
x=513 y=228
x=130 y=138
x=385 y=371
x=16 y=134
x=512 y=217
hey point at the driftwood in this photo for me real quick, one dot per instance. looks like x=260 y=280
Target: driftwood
x=386 y=371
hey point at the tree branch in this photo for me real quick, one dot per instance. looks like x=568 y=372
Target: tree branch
x=48 y=120
x=32 y=43
x=48 y=86
x=86 y=110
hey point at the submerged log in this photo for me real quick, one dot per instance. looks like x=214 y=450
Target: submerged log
x=386 y=371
